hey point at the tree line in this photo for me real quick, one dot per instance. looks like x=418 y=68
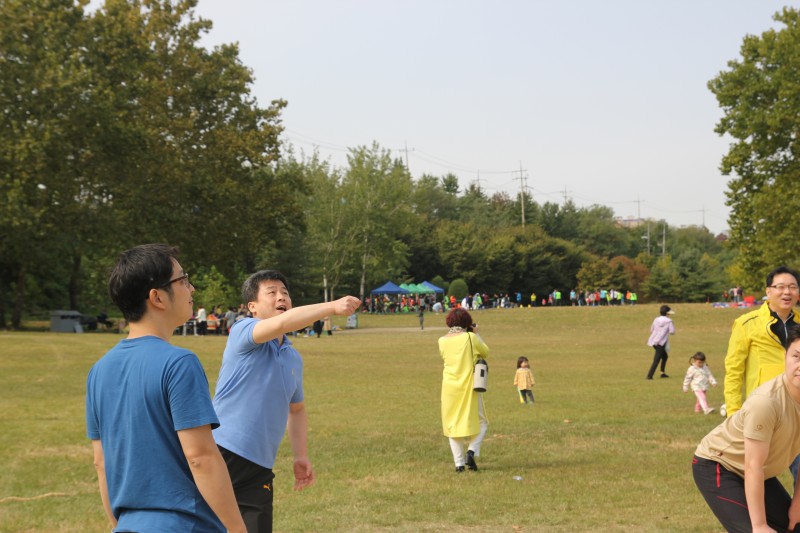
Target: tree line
x=119 y=128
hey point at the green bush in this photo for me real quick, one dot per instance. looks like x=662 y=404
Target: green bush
x=458 y=288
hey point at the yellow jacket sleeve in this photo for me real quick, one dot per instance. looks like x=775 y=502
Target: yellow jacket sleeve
x=735 y=361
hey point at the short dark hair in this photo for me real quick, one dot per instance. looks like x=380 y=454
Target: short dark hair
x=792 y=334
x=664 y=310
x=144 y=267
x=253 y=283
x=782 y=270
x=458 y=317
x=521 y=360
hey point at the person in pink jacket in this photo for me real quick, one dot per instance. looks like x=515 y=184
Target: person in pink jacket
x=660 y=331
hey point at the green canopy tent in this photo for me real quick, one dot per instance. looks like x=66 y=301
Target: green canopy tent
x=414 y=288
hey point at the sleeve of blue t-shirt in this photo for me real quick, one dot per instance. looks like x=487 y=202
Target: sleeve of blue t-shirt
x=92 y=426
x=187 y=391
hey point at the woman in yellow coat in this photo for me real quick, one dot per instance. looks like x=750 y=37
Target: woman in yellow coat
x=463 y=417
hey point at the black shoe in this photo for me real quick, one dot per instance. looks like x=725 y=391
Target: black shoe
x=459 y=469
x=471 y=460
x=649 y=377
x=663 y=375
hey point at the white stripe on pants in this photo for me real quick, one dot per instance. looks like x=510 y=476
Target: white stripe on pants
x=457 y=443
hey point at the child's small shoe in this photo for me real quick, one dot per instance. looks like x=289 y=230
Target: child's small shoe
x=708 y=411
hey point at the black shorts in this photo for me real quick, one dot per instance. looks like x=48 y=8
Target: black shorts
x=252 y=485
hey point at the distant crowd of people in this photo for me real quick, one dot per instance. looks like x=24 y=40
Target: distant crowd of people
x=404 y=303
x=215 y=321
x=590 y=298
x=734 y=294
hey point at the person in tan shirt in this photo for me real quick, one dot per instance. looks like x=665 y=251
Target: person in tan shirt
x=736 y=465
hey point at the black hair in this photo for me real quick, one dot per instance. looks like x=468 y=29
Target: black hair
x=144 y=267
x=252 y=284
x=521 y=360
x=792 y=334
x=782 y=270
x=664 y=310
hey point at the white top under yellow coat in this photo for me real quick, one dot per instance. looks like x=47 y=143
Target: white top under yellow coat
x=459 y=402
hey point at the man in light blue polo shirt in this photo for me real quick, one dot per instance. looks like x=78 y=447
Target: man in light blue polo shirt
x=260 y=393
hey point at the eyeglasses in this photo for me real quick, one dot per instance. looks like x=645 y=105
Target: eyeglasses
x=184 y=279
x=782 y=287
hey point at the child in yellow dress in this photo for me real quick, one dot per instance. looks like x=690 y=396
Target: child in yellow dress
x=524 y=381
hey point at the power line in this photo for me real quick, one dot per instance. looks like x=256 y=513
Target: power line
x=563 y=194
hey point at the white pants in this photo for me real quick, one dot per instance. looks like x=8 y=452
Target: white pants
x=474 y=443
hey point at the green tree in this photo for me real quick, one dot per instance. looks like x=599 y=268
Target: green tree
x=665 y=283
x=759 y=95
x=598 y=233
x=43 y=88
x=542 y=263
x=120 y=129
x=332 y=231
x=187 y=148
x=376 y=191
x=634 y=273
x=213 y=289
x=474 y=206
x=460 y=247
x=458 y=288
x=594 y=274
x=439 y=282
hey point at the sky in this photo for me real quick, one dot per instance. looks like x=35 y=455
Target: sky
x=598 y=102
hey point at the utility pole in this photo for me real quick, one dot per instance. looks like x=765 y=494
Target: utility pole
x=647 y=237
x=406 y=151
x=522 y=186
x=478 y=180
x=638 y=209
x=664 y=239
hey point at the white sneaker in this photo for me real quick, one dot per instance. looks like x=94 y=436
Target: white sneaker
x=709 y=410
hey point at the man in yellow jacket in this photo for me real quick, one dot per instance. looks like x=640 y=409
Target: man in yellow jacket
x=756 y=347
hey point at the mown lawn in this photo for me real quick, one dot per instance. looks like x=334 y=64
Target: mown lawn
x=602 y=449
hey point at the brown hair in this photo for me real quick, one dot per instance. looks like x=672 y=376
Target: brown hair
x=699 y=356
x=458 y=317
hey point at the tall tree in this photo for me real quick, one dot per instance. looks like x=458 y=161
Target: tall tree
x=188 y=145
x=43 y=87
x=332 y=232
x=118 y=129
x=760 y=96
x=376 y=189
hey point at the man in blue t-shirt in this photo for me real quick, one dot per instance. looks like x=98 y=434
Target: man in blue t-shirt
x=149 y=413
x=260 y=391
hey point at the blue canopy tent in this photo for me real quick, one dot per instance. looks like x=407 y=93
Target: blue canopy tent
x=389 y=288
x=431 y=286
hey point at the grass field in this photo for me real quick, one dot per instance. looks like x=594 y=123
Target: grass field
x=602 y=449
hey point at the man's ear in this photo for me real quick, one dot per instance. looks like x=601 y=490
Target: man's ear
x=154 y=297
